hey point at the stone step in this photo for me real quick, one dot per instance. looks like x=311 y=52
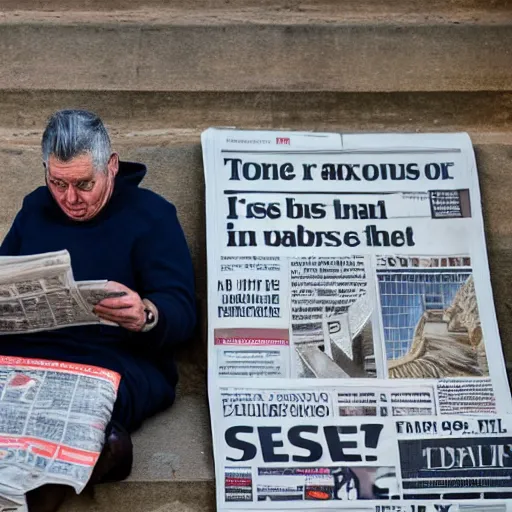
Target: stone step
x=335 y=6
x=161 y=73
x=191 y=496
x=133 y=115
x=186 y=496
x=256 y=50
x=247 y=14
x=173 y=467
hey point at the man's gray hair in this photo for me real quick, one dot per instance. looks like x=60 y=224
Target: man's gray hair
x=72 y=133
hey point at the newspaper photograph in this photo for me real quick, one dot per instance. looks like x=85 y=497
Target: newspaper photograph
x=349 y=287
x=331 y=317
x=430 y=318
x=38 y=292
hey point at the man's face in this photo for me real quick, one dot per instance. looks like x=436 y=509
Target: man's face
x=80 y=190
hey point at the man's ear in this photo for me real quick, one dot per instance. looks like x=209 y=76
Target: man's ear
x=113 y=164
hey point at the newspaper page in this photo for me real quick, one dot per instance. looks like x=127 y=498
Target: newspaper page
x=354 y=353
x=38 y=292
x=53 y=417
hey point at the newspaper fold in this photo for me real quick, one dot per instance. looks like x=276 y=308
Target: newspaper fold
x=38 y=292
x=53 y=417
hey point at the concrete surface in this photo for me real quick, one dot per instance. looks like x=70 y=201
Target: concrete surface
x=268 y=53
x=192 y=496
x=161 y=71
x=172 y=465
x=135 y=115
x=333 y=6
x=180 y=458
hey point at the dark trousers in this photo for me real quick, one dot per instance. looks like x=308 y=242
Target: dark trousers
x=144 y=389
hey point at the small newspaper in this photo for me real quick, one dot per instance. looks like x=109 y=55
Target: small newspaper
x=53 y=414
x=38 y=293
x=355 y=361
x=53 y=417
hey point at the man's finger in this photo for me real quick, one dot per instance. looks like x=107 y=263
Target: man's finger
x=114 y=286
x=107 y=314
x=124 y=317
x=129 y=324
x=127 y=301
x=118 y=314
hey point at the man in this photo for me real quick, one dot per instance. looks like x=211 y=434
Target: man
x=92 y=206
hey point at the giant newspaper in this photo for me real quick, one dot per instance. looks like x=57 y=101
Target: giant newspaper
x=355 y=361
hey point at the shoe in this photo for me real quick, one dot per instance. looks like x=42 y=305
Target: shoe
x=116 y=458
x=47 y=498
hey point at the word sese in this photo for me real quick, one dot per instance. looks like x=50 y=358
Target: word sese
x=339 y=440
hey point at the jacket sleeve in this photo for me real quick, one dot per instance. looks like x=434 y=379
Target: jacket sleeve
x=12 y=242
x=165 y=276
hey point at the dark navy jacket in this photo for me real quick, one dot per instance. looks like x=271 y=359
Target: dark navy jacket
x=136 y=240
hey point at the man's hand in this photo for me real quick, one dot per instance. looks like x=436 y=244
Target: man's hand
x=126 y=311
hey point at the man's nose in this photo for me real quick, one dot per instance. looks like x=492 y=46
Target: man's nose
x=71 y=195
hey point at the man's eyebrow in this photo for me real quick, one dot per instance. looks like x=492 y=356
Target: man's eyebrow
x=73 y=182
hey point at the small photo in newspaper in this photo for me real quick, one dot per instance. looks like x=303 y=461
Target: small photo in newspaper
x=325 y=484
x=430 y=318
x=331 y=311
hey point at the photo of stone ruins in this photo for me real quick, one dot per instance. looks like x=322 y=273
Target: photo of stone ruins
x=446 y=342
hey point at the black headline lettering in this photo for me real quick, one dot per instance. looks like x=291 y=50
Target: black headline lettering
x=304 y=397
x=303 y=237
x=411 y=508
x=359 y=211
x=416 y=427
x=370 y=172
x=339 y=440
x=264 y=410
x=249 y=292
x=485 y=426
x=295 y=210
x=314 y=448
x=475 y=456
x=300 y=236
x=257 y=210
x=248 y=311
x=381 y=238
x=248 y=285
x=249 y=298
x=254 y=171
x=492 y=426
x=271 y=171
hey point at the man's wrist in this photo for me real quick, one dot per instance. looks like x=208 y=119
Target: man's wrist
x=150 y=315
